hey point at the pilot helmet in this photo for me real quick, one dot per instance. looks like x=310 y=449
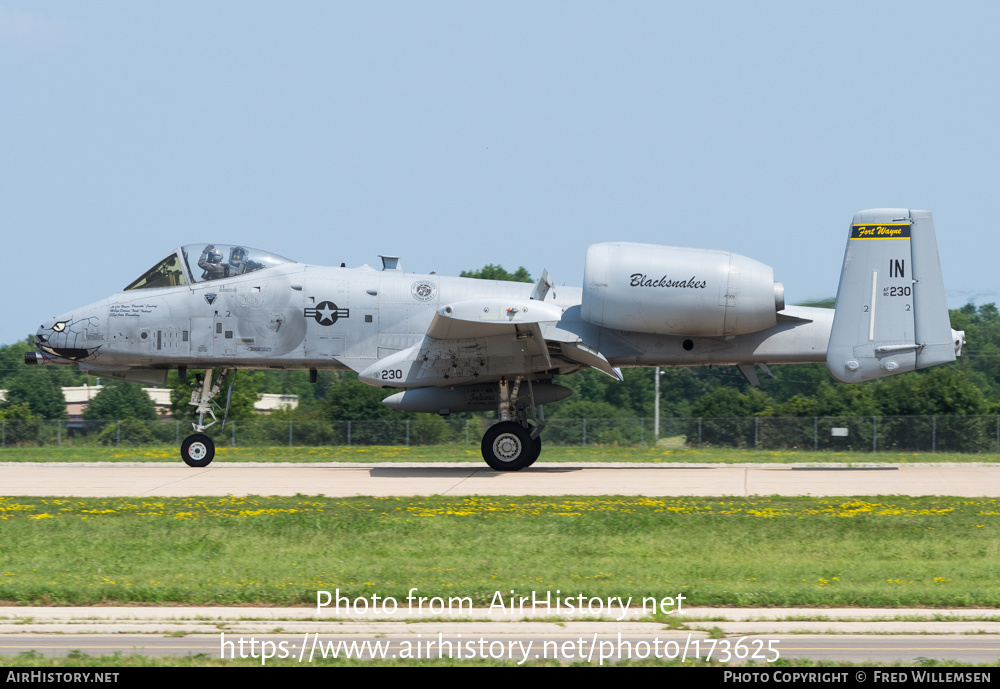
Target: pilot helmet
x=214 y=256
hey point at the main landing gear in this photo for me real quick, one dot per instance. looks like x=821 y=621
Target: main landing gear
x=513 y=443
x=198 y=450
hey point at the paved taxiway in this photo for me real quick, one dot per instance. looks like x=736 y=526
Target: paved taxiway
x=341 y=480
x=874 y=635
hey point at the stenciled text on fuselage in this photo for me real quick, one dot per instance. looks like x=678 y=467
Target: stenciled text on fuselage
x=642 y=280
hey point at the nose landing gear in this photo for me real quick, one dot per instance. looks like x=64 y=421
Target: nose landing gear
x=198 y=450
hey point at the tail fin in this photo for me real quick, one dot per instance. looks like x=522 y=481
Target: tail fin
x=891 y=312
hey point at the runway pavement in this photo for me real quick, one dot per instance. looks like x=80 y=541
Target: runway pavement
x=341 y=480
x=305 y=636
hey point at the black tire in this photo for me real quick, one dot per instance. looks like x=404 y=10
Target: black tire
x=536 y=449
x=197 y=450
x=507 y=446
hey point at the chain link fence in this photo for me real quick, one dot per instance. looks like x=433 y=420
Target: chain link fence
x=847 y=433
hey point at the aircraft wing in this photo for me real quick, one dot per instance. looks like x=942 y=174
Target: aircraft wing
x=487 y=317
x=483 y=339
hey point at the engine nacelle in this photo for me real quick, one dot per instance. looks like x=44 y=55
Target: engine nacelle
x=672 y=290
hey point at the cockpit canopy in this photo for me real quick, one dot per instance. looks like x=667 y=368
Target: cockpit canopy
x=214 y=261
x=196 y=263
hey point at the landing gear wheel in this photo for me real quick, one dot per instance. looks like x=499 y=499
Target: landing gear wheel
x=507 y=446
x=197 y=450
x=536 y=449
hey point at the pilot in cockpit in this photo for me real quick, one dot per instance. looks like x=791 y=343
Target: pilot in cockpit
x=211 y=263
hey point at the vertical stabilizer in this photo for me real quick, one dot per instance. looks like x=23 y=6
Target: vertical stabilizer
x=891 y=311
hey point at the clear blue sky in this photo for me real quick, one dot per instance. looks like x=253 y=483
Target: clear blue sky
x=457 y=134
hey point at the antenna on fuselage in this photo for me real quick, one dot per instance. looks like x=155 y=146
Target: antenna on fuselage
x=390 y=263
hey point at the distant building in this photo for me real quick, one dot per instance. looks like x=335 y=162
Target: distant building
x=77 y=399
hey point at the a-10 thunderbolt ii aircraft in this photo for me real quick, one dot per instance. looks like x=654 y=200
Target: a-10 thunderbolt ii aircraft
x=458 y=344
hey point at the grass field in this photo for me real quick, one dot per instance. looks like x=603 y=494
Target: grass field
x=891 y=551
x=471 y=453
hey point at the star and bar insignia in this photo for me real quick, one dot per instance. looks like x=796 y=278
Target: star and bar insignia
x=327 y=313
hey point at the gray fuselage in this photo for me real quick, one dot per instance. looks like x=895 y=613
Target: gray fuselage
x=297 y=316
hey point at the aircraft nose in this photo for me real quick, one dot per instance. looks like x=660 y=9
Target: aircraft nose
x=58 y=340
x=53 y=332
